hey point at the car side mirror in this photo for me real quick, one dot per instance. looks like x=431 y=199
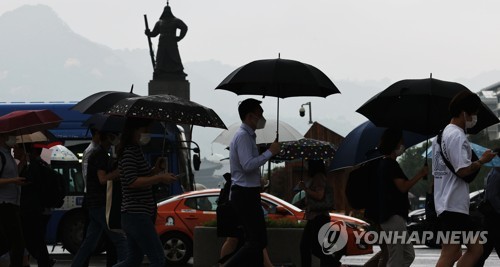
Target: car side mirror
x=282 y=210
x=196 y=162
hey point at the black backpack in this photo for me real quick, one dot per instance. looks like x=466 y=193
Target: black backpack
x=361 y=184
x=53 y=187
x=224 y=192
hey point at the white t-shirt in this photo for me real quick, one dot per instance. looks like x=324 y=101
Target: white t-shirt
x=451 y=193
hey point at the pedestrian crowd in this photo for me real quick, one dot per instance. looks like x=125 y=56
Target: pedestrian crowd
x=117 y=156
x=453 y=168
x=24 y=218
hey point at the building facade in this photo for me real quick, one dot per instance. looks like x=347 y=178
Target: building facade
x=489 y=96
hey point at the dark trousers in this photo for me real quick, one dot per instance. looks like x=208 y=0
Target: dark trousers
x=247 y=203
x=34 y=230
x=309 y=244
x=491 y=224
x=11 y=234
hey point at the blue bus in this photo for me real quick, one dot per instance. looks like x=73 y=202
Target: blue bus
x=67 y=224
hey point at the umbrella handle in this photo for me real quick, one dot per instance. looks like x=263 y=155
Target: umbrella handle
x=425 y=164
x=278 y=121
x=426 y=149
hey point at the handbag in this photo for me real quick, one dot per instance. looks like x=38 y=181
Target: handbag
x=113 y=205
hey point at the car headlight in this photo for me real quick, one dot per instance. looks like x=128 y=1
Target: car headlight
x=418 y=218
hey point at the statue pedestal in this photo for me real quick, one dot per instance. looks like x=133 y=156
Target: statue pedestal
x=176 y=88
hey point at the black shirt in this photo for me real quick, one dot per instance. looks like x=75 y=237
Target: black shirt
x=393 y=201
x=31 y=192
x=96 y=192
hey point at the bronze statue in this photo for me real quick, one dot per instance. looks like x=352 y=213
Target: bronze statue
x=168 y=64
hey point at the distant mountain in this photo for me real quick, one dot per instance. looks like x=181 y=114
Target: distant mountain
x=481 y=81
x=43 y=59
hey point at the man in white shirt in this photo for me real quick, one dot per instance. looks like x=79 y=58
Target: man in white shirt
x=245 y=162
x=451 y=184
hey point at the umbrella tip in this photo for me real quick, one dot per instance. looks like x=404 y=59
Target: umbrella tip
x=279 y=55
x=132 y=88
x=431 y=75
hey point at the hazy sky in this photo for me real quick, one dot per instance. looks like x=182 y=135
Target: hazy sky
x=356 y=40
x=383 y=40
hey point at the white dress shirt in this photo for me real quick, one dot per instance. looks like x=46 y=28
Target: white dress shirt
x=244 y=158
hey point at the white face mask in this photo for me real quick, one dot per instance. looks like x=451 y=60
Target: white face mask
x=400 y=150
x=145 y=138
x=11 y=142
x=472 y=123
x=261 y=123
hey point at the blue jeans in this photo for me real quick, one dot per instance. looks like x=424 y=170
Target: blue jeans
x=97 y=225
x=142 y=239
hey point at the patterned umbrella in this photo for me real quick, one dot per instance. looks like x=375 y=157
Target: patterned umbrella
x=62 y=153
x=306 y=149
x=167 y=108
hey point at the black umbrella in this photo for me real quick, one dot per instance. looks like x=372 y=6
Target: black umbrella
x=359 y=145
x=419 y=106
x=101 y=101
x=280 y=78
x=167 y=108
x=105 y=122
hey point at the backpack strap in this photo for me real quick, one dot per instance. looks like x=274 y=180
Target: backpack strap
x=445 y=160
x=448 y=164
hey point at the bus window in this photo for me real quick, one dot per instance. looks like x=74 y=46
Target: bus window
x=77 y=178
x=71 y=170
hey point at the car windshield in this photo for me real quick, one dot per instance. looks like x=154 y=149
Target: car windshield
x=278 y=201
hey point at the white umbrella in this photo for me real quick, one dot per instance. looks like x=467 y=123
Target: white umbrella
x=264 y=136
x=62 y=153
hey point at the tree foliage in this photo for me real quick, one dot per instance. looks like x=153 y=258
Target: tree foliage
x=411 y=162
x=414 y=158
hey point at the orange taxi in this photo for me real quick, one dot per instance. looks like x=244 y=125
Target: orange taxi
x=179 y=215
